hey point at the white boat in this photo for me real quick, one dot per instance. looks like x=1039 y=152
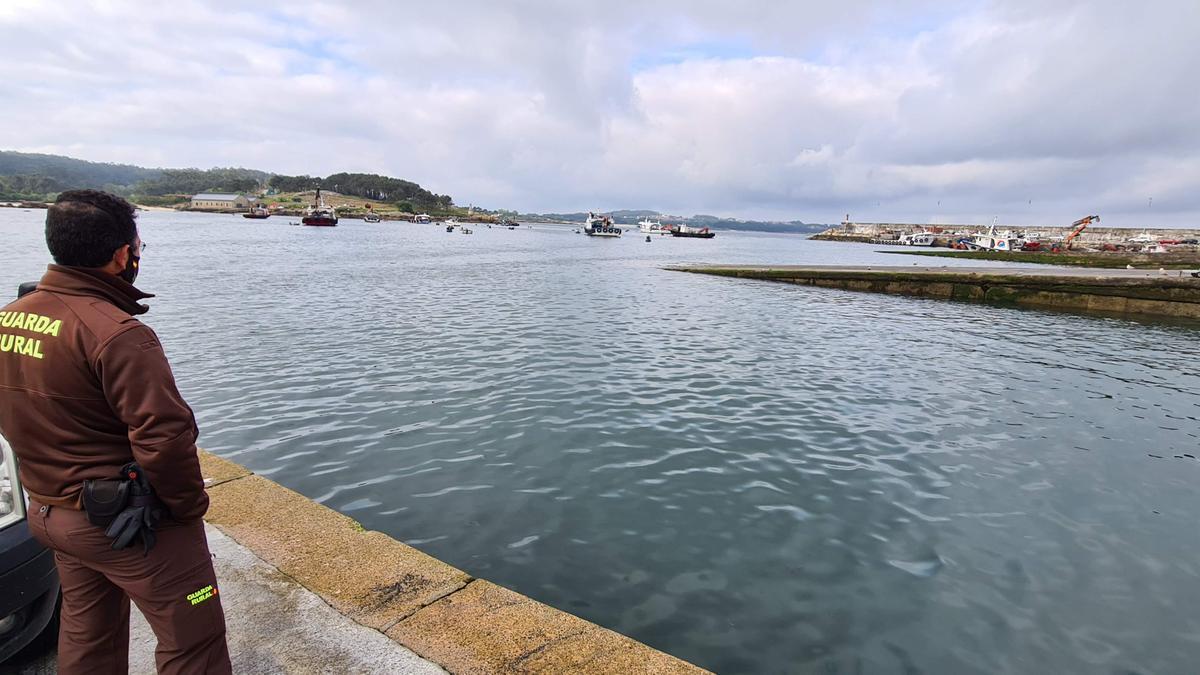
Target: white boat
x=600 y=226
x=993 y=241
x=648 y=226
x=371 y=218
x=451 y=223
x=422 y=218
x=917 y=239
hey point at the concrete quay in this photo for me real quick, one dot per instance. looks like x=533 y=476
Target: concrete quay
x=1154 y=293
x=886 y=233
x=306 y=589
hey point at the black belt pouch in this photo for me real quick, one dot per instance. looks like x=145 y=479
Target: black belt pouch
x=104 y=499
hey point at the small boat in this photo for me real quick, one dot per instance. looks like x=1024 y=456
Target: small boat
x=372 y=218
x=466 y=230
x=449 y=228
x=319 y=215
x=510 y=224
x=258 y=212
x=992 y=241
x=695 y=233
x=647 y=226
x=422 y=219
x=917 y=239
x=451 y=223
x=600 y=226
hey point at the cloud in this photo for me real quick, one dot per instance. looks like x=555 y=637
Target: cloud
x=1030 y=111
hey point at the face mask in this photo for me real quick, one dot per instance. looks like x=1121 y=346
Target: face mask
x=131 y=267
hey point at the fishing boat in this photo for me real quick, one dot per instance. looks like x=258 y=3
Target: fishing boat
x=692 y=232
x=319 y=215
x=917 y=239
x=600 y=226
x=992 y=240
x=647 y=226
x=257 y=212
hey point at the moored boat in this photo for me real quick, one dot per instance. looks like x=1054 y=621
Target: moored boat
x=371 y=217
x=647 y=226
x=422 y=219
x=600 y=226
x=692 y=232
x=992 y=241
x=257 y=212
x=916 y=239
x=319 y=215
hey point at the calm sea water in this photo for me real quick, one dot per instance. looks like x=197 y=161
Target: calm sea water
x=756 y=477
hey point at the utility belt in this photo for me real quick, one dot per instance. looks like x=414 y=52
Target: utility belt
x=126 y=508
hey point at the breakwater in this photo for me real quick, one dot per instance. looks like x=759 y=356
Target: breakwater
x=1173 y=294
x=1177 y=260
x=879 y=233
x=464 y=624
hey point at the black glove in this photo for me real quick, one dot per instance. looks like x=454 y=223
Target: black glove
x=140 y=517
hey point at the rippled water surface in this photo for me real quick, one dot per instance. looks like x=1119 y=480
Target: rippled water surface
x=756 y=477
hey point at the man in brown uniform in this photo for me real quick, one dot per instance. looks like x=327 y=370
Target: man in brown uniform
x=85 y=388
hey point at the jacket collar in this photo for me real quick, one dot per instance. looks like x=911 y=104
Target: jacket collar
x=93 y=282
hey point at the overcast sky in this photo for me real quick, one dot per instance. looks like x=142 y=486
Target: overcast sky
x=1036 y=111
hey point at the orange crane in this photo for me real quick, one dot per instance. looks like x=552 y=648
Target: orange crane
x=1079 y=226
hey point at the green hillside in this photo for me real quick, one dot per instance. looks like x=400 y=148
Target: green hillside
x=36 y=177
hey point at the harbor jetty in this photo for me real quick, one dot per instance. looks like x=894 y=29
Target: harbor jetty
x=307 y=589
x=889 y=233
x=443 y=614
x=1174 y=293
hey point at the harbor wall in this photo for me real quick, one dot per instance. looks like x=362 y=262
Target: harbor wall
x=445 y=615
x=1172 y=295
x=882 y=232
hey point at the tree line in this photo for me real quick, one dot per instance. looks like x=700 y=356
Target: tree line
x=39 y=177
x=365 y=185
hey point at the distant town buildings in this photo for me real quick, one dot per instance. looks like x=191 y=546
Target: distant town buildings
x=220 y=200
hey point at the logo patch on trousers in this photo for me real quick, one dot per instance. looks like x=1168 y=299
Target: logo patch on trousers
x=202 y=594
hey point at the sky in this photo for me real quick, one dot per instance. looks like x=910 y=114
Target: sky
x=1031 y=111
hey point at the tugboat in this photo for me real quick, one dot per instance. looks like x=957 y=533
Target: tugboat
x=258 y=212
x=695 y=233
x=600 y=226
x=319 y=215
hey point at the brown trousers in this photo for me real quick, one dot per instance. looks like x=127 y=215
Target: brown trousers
x=174 y=587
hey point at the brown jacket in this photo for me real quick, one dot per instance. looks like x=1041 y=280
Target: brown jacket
x=85 y=388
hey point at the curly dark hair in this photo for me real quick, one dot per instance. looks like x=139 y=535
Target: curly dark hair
x=84 y=228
